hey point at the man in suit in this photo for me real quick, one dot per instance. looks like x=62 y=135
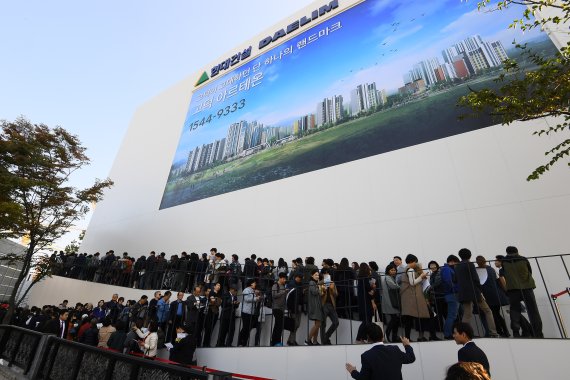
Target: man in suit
x=58 y=326
x=463 y=334
x=382 y=361
x=177 y=310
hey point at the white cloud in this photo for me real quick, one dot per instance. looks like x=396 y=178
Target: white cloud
x=379 y=5
x=471 y=23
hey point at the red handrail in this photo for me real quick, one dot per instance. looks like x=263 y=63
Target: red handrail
x=567 y=291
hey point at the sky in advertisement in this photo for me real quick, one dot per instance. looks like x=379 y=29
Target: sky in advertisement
x=378 y=41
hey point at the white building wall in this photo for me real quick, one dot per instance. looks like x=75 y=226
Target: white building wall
x=468 y=190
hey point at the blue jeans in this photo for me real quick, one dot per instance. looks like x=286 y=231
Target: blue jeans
x=452 y=308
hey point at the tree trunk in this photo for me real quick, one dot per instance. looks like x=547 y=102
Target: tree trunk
x=25 y=268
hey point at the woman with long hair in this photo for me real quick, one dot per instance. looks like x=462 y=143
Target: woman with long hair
x=315 y=307
x=391 y=302
x=366 y=289
x=344 y=278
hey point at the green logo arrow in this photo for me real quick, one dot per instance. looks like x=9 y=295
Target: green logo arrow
x=202 y=79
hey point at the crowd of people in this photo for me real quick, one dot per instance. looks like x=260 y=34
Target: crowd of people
x=134 y=327
x=431 y=301
x=404 y=295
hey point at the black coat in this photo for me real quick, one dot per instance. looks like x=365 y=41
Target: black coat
x=494 y=294
x=183 y=351
x=471 y=353
x=192 y=312
x=117 y=340
x=384 y=362
x=90 y=337
x=228 y=307
x=53 y=326
x=174 y=309
x=468 y=285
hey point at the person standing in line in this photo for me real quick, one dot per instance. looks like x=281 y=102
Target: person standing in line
x=163 y=311
x=469 y=291
x=463 y=334
x=278 y=292
x=315 y=307
x=105 y=332
x=228 y=318
x=247 y=311
x=494 y=296
x=391 y=303
x=149 y=345
x=294 y=302
x=152 y=306
x=414 y=304
x=176 y=319
x=382 y=361
x=400 y=268
x=214 y=301
x=449 y=283
x=520 y=285
x=328 y=300
x=192 y=311
x=58 y=326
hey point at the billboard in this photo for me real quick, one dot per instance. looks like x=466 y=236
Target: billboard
x=336 y=86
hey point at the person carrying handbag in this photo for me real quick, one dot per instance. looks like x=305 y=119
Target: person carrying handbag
x=150 y=340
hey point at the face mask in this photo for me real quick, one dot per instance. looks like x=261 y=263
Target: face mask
x=181 y=335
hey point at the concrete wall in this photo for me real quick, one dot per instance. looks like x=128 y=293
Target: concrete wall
x=510 y=359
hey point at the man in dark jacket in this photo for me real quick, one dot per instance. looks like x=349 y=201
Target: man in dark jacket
x=382 y=361
x=230 y=304
x=113 y=308
x=192 y=313
x=520 y=285
x=58 y=326
x=153 y=306
x=150 y=273
x=278 y=293
x=463 y=334
x=449 y=285
x=177 y=310
x=469 y=291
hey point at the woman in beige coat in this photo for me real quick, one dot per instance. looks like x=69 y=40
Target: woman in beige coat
x=414 y=304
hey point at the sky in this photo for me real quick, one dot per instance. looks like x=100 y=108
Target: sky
x=87 y=66
x=378 y=41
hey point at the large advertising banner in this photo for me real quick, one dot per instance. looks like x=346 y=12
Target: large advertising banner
x=380 y=76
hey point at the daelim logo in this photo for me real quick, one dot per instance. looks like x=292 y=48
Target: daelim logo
x=202 y=79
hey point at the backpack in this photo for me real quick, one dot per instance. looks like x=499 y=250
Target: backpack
x=268 y=299
x=290 y=301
